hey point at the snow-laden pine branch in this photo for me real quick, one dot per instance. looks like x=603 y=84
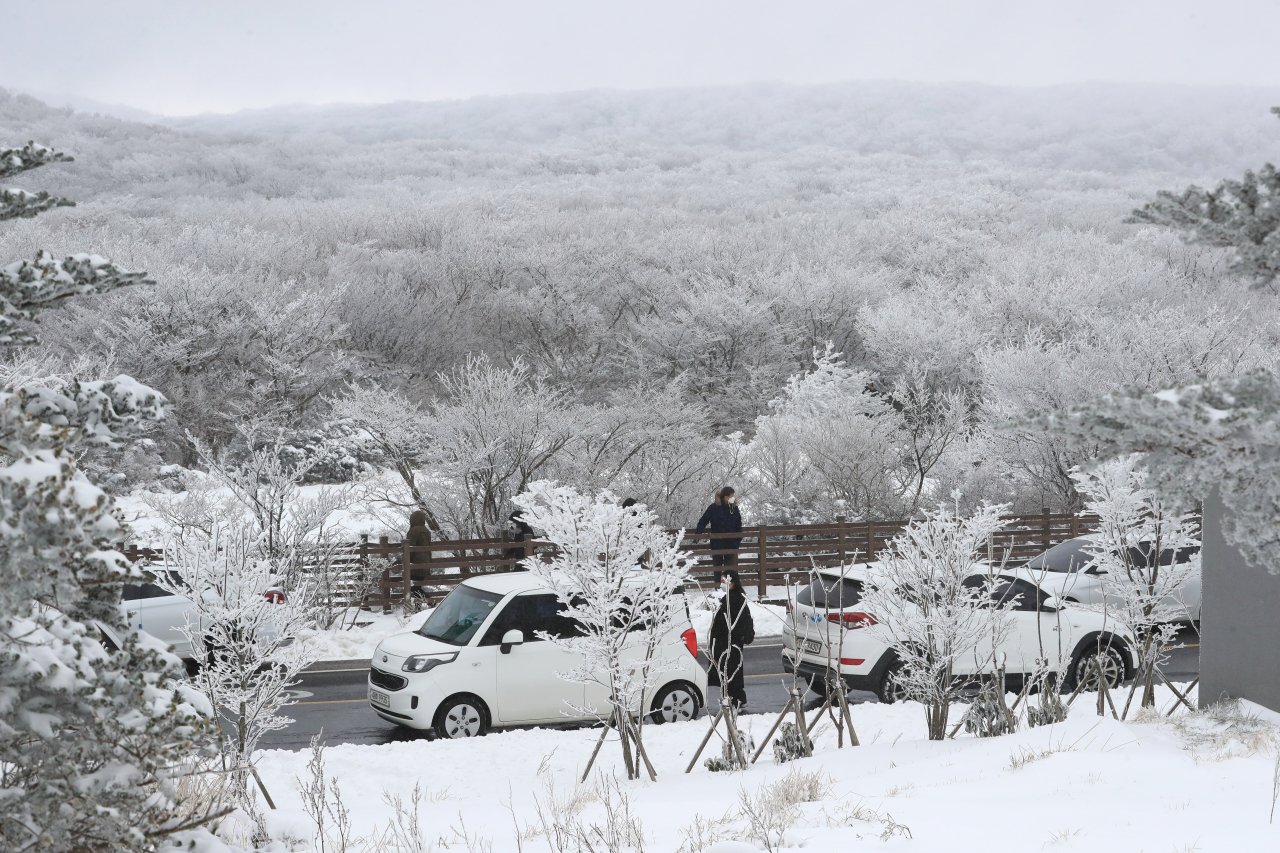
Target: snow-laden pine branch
x=29 y=286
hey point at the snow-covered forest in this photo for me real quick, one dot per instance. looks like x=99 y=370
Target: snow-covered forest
x=653 y=291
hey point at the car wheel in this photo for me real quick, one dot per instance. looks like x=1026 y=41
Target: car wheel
x=675 y=703
x=1082 y=668
x=889 y=690
x=462 y=716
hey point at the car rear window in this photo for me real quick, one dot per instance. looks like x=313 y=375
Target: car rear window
x=460 y=615
x=1070 y=556
x=835 y=593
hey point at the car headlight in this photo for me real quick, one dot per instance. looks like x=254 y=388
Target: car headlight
x=426 y=663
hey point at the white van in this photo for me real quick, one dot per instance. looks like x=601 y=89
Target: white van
x=477 y=663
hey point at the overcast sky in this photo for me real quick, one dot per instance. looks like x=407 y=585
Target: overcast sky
x=181 y=57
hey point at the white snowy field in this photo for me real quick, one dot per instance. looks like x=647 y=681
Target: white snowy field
x=1189 y=782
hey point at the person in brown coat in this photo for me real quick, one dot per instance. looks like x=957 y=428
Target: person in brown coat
x=419 y=534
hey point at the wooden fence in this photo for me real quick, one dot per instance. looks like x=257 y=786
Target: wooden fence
x=378 y=574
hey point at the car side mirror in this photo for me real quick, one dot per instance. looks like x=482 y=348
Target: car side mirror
x=1094 y=570
x=514 y=637
x=1052 y=604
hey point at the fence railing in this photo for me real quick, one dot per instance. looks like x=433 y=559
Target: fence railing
x=379 y=574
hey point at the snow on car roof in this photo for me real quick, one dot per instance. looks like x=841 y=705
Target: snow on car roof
x=505 y=582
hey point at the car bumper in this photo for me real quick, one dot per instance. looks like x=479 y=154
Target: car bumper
x=853 y=680
x=413 y=705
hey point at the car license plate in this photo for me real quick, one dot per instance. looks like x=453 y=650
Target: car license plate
x=812 y=647
x=379 y=698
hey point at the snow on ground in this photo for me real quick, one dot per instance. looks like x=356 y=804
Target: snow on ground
x=359 y=641
x=1170 y=784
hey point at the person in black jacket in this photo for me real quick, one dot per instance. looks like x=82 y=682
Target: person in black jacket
x=723 y=516
x=519 y=531
x=731 y=629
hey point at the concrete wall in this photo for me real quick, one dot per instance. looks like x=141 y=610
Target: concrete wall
x=1240 y=622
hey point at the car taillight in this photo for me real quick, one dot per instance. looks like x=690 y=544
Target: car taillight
x=275 y=596
x=853 y=620
x=852 y=661
x=690 y=641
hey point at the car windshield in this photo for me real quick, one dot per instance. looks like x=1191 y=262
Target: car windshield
x=1070 y=556
x=460 y=615
x=836 y=593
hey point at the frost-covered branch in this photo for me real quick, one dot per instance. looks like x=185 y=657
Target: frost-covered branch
x=620 y=576
x=1242 y=215
x=15 y=161
x=928 y=610
x=20 y=204
x=1222 y=434
x=27 y=287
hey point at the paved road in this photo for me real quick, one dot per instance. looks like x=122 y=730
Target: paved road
x=333 y=696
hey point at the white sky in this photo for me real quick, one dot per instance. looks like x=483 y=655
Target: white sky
x=188 y=56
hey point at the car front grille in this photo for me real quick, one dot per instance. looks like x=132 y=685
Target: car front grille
x=386 y=680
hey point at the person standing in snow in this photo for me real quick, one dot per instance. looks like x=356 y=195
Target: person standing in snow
x=722 y=516
x=519 y=531
x=731 y=629
x=418 y=534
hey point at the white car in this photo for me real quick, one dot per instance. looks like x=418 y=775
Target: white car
x=1068 y=571
x=829 y=636
x=477 y=663
x=163 y=615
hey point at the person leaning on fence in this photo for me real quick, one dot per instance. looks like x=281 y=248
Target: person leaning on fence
x=518 y=530
x=731 y=629
x=418 y=534
x=723 y=516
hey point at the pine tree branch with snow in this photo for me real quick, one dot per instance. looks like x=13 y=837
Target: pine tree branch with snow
x=28 y=287
x=1221 y=434
x=1243 y=216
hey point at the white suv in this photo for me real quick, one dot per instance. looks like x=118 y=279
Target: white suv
x=477 y=663
x=829 y=622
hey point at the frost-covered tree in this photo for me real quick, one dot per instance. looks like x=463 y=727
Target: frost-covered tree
x=88 y=738
x=242 y=632
x=1243 y=216
x=1222 y=434
x=620 y=576
x=926 y=612
x=1135 y=533
x=829 y=447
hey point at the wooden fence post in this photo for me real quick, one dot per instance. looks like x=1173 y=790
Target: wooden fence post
x=840 y=537
x=407 y=573
x=132 y=553
x=1075 y=525
x=1048 y=533
x=384 y=587
x=871 y=541
x=762 y=552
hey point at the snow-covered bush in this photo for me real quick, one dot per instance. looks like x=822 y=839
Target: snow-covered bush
x=926 y=613
x=241 y=636
x=621 y=577
x=1136 y=531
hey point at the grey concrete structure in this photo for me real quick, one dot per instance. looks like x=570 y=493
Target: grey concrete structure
x=1240 y=622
